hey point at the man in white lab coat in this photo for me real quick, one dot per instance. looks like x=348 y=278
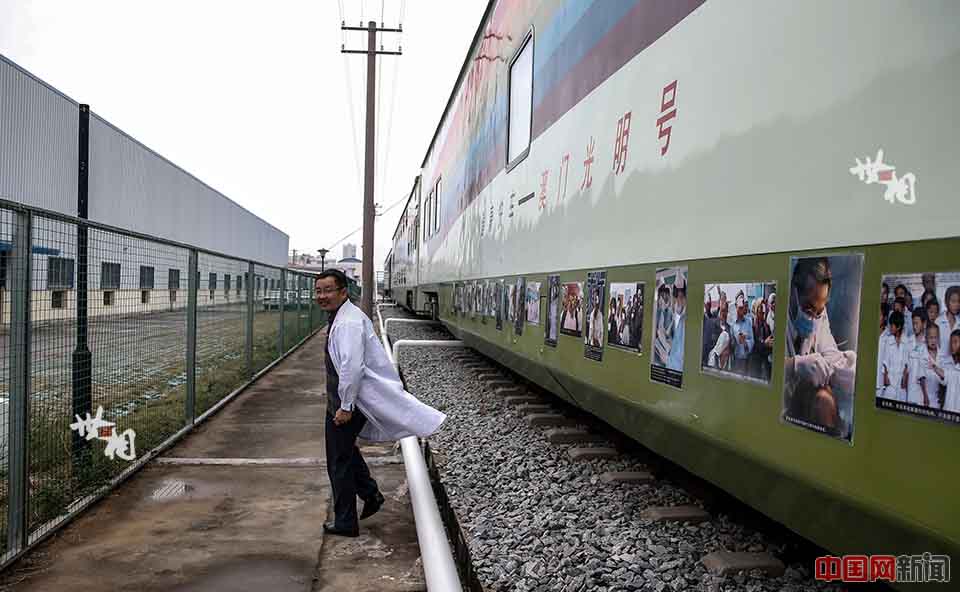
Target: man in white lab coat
x=819 y=377
x=365 y=398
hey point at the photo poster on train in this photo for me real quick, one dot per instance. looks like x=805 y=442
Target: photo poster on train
x=482 y=301
x=572 y=304
x=520 y=295
x=738 y=330
x=593 y=315
x=533 y=303
x=510 y=301
x=491 y=298
x=554 y=290
x=918 y=367
x=499 y=305
x=625 y=327
x=820 y=365
x=669 y=326
x=472 y=294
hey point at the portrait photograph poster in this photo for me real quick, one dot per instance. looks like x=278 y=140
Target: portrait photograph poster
x=918 y=366
x=554 y=292
x=738 y=330
x=820 y=365
x=625 y=312
x=572 y=309
x=669 y=326
x=594 y=315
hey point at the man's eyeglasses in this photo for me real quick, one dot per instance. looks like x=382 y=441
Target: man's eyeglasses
x=328 y=291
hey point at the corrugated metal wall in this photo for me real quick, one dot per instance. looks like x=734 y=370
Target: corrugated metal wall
x=38 y=142
x=130 y=187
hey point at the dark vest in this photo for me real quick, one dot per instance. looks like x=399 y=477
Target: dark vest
x=333 y=379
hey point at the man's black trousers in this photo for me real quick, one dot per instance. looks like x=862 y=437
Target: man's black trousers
x=349 y=476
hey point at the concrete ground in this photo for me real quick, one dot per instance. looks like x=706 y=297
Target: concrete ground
x=238 y=505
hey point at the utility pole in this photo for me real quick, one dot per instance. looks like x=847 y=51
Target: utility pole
x=369 y=213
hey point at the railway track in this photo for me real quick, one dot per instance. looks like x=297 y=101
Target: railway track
x=549 y=498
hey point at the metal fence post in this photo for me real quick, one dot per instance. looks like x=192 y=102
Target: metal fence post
x=283 y=305
x=82 y=361
x=193 y=285
x=311 y=287
x=299 y=307
x=18 y=428
x=250 y=311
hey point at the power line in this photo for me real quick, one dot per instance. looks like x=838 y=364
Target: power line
x=359 y=228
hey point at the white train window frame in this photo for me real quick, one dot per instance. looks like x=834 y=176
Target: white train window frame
x=527 y=43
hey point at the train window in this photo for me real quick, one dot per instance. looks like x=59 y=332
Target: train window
x=520 y=118
x=436 y=208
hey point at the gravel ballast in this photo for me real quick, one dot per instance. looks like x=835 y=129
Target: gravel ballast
x=537 y=521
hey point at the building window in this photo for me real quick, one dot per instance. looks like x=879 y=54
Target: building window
x=59 y=273
x=146 y=277
x=226 y=283
x=212 y=282
x=144 y=296
x=520 y=118
x=173 y=279
x=109 y=276
x=240 y=282
x=58 y=299
x=107 y=298
x=173 y=296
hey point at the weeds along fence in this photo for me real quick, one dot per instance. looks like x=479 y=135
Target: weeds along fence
x=151 y=332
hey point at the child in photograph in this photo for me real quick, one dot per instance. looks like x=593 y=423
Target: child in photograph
x=951 y=375
x=928 y=371
x=948 y=321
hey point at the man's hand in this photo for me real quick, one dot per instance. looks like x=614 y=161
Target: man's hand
x=342 y=417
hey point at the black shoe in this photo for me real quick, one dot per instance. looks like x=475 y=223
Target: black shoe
x=330 y=528
x=372 y=507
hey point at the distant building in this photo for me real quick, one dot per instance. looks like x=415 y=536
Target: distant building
x=349 y=264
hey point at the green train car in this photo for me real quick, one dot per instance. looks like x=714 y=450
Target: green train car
x=729 y=229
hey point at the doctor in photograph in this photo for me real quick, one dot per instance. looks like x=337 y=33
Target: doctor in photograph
x=815 y=367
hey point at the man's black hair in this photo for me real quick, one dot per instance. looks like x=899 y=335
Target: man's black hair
x=901 y=301
x=816 y=267
x=896 y=318
x=339 y=278
x=919 y=314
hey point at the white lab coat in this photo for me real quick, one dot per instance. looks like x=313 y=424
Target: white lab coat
x=369 y=381
x=918 y=365
x=896 y=357
x=842 y=364
x=920 y=368
x=951 y=375
x=945 y=330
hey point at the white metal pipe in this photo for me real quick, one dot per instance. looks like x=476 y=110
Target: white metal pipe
x=439 y=569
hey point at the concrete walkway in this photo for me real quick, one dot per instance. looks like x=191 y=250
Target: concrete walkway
x=238 y=506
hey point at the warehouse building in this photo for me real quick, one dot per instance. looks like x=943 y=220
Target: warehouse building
x=131 y=188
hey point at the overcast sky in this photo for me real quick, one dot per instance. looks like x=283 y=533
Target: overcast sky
x=253 y=97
